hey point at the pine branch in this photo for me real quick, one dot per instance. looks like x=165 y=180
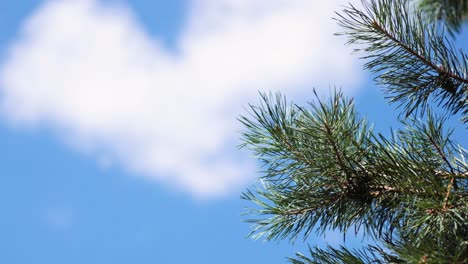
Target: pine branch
x=340 y=255
x=324 y=168
x=451 y=13
x=413 y=60
x=441 y=70
x=434 y=249
x=394 y=185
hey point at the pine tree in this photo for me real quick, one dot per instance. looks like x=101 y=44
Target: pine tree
x=325 y=168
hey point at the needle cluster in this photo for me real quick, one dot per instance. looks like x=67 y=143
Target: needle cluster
x=324 y=167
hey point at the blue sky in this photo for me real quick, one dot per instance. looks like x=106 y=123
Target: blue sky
x=117 y=123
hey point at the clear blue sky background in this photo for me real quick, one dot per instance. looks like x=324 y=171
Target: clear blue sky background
x=59 y=206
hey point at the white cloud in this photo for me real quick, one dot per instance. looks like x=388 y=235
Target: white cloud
x=90 y=71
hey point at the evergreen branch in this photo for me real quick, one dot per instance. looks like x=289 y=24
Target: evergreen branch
x=442 y=71
x=342 y=255
x=433 y=249
x=412 y=60
x=449 y=12
x=307 y=196
x=434 y=137
x=394 y=184
x=326 y=170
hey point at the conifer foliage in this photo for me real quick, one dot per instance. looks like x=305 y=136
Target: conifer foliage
x=324 y=168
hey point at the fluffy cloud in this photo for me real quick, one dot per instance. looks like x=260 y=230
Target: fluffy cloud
x=88 y=70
